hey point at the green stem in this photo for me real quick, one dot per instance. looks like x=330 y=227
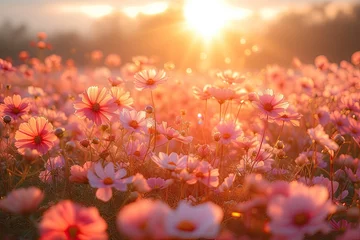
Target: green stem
x=153 y=103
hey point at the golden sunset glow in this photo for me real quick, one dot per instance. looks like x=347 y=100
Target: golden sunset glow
x=206 y=17
x=96 y=11
x=148 y=9
x=92 y=11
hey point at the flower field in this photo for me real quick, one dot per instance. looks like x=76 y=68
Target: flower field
x=146 y=150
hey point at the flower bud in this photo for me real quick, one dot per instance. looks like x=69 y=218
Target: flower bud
x=104 y=127
x=281 y=154
x=59 y=132
x=69 y=146
x=339 y=139
x=149 y=109
x=217 y=136
x=280 y=145
x=104 y=154
x=95 y=140
x=85 y=143
x=252 y=96
x=7 y=119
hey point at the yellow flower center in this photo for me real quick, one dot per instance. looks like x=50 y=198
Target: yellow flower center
x=108 y=181
x=199 y=175
x=16 y=110
x=226 y=136
x=150 y=82
x=38 y=139
x=301 y=219
x=268 y=107
x=96 y=107
x=73 y=232
x=118 y=102
x=186 y=226
x=172 y=163
x=133 y=124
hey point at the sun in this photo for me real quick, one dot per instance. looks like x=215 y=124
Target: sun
x=206 y=17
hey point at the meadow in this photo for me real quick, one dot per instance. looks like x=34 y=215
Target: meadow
x=146 y=150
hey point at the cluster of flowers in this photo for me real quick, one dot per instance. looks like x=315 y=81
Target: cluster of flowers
x=144 y=219
x=279 y=166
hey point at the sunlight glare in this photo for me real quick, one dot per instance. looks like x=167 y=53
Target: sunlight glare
x=269 y=13
x=96 y=11
x=206 y=17
x=149 y=9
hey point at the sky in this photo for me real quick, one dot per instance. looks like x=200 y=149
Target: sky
x=57 y=15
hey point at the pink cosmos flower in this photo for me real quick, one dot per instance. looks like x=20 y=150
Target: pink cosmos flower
x=36 y=134
x=53 y=62
x=6 y=66
x=22 y=200
x=307 y=84
x=318 y=134
x=104 y=179
x=133 y=121
x=14 y=106
x=56 y=117
x=340 y=121
x=140 y=183
x=159 y=183
x=246 y=143
x=41 y=35
x=113 y=60
x=270 y=104
x=97 y=106
x=53 y=170
x=144 y=62
x=228 y=182
x=68 y=220
x=171 y=162
x=115 y=81
x=321 y=180
x=322 y=62
x=36 y=92
x=205 y=174
x=353 y=127
x=354 y=177
x=149 y=79
x=79 y=174
x=262 y=164
x=355 y=58
x=96 y=55
x=231 y=77
x=202 y=94
x=203 y=150
x=303 y=211
x=122 y=98
x=276 y=74
x=256 y=184
x=143 y=219
x=222 y=94
x=229 y=131
x=169 y=133
x=302 y=159
x=193 y=222
x=136 y=149
x=289 y=117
